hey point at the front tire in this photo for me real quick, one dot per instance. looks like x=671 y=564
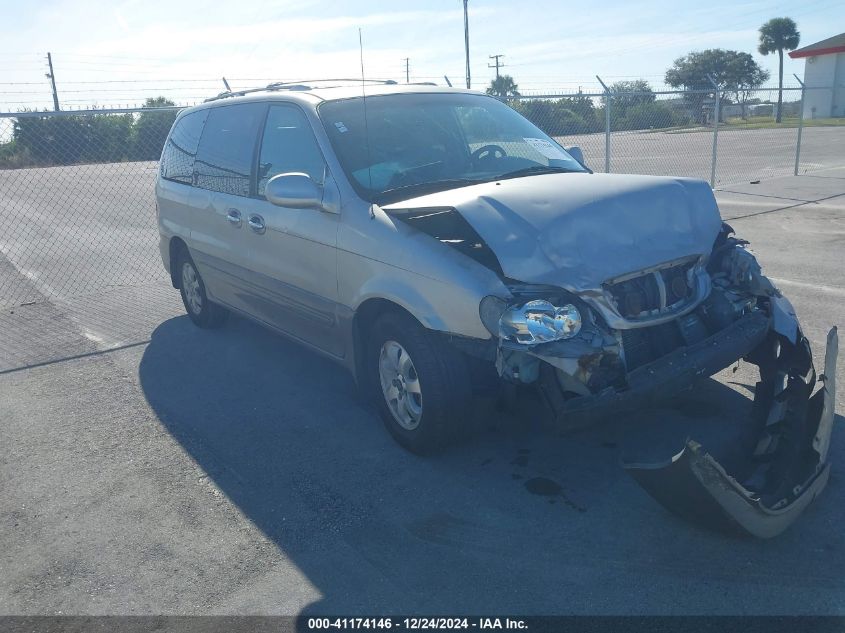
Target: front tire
x=420 y=384
x=200 y=309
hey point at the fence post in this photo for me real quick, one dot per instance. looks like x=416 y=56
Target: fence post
x=716 y=114
x=800 y=126
x=606 y=125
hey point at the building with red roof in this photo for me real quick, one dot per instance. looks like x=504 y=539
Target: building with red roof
x=824 y=76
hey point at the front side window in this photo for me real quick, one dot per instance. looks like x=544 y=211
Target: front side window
x=288 y=145
x=224 y=156
x=177 y=159
x=412 y=144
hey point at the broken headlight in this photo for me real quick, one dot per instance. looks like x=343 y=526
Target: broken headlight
x=537 y=321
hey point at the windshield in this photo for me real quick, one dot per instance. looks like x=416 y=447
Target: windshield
x=414 y=144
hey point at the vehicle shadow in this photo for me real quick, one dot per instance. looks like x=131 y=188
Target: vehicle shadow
x=514 y=521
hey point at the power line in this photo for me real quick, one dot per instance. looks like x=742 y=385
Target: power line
x=120 y=81
x=133 y=57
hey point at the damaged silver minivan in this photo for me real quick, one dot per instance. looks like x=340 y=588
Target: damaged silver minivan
x=421 y=236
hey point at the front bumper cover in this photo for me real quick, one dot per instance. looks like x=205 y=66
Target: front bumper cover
x=786 y=465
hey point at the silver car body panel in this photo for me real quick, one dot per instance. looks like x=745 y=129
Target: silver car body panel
x=579 y=231
x=382 y=258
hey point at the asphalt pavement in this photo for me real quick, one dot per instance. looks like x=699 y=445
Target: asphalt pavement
x=147 y=467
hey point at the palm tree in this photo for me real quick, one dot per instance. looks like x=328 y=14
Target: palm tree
x=779 y=34
x=503 y=86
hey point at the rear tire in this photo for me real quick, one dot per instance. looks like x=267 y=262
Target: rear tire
x=200 y=309
x=421 y=384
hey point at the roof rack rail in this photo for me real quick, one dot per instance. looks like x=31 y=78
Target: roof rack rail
x=305 y=82
x=294 y=85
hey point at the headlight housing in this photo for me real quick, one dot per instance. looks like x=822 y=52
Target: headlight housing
x=537 y=321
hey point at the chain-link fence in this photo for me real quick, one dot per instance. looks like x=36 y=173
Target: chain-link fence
x=724 y=137
x=77 y=206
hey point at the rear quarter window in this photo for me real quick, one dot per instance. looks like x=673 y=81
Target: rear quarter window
x=226 y=149
x=177 y=158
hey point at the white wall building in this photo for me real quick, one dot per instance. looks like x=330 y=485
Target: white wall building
x=824 y=76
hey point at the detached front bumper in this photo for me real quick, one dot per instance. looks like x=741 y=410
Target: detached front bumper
x=668 y=375
x=785 y=467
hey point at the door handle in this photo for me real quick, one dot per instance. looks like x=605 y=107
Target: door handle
x=234 y=217
x=256 y=223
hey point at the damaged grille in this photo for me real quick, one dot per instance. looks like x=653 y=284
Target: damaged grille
x=646 y=344
x=652 y=293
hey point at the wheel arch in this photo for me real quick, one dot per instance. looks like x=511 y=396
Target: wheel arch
x=177 y=245
x=367 y=312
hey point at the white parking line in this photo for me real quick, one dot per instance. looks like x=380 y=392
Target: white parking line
x=801 y=284
x=788 y=205
x=754 y=203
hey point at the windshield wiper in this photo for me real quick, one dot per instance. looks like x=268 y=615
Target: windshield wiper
x=421 y=189
x=537 y=169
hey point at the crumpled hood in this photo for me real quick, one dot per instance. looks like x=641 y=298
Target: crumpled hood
x=578 y=230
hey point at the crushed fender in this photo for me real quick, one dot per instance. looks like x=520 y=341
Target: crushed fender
x=785 y=465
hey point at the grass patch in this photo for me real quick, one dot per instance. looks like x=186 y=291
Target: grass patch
x=767 y=122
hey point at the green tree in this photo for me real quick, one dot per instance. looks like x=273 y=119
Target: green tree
x=583 y=107
x=151 y=128
x=779 y=34
x=644 y=116
x=627 y=94
x=746 y=76
x=503 y=86
x=70 y=139
x=732 y=71
x=553 y=117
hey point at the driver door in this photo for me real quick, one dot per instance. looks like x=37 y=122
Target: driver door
x=293 y=256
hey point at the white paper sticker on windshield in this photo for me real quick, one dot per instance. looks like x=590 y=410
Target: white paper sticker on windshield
x=546 y=148
x=341 y=127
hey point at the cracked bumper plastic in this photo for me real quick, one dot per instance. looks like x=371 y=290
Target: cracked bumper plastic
x=787 y=468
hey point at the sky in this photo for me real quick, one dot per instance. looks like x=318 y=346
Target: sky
x=119 y=52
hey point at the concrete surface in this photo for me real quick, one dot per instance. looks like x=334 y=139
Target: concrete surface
x=150 y=467
x=71 y=231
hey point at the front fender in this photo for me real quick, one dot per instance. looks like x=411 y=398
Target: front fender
x=437 y=305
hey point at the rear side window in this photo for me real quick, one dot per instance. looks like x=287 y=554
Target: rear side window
x=224 y=157
x=177 y=159
x=288 y=145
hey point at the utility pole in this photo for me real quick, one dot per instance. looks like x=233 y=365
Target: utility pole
x=52 y=77
x=496 y=64
x=466 y=41
x=407 y=61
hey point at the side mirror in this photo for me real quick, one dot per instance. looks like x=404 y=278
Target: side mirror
x=577 y=154
x=294 y=190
